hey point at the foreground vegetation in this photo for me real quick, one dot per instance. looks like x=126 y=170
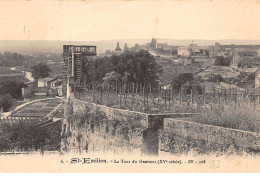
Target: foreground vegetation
x=10 y=91
x=229 y=110
x=28 y=137
x=242 y=116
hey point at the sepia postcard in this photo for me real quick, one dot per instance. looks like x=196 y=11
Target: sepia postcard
x=130 y=86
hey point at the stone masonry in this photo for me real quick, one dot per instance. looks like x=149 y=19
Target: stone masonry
x=89 y=127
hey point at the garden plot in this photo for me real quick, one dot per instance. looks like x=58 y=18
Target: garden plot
x=38 y=109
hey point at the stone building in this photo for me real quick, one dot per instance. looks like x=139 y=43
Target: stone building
x=73 y=67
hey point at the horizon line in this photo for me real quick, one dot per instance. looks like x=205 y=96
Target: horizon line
x=128 y=39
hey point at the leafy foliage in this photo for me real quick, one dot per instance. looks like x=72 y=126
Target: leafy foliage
x=9 y=90
x=26 y=137
x=221 y=61
x=6 y=102
x=111 y=78
x=137 y=67
x=12 y=88
x=12 y=59
x=216 y=78
x=239 y=115
x=9 y=59
x=187 y=82
x=40 y=71
x=182 y=79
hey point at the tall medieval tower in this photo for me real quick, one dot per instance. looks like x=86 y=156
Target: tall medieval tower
x=73 y=67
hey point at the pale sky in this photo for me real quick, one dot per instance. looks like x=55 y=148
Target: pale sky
x=104 y=20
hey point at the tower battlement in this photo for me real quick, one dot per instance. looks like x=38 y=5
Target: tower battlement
x=82 y=49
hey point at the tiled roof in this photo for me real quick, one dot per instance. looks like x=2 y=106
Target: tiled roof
x=251 y=70
x=48 y=79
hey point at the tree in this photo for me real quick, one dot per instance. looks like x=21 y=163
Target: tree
x=221 y=61
x=136 y=67
x=216 y=78
x=12 y=88
x=245 y=62
x=6 y=102
x=251 y=76
x=181 y=79
x=25 y=136
x=188 y=82
x=111 y=79
x=9 y=59
x=40 y=71
x=140 y=67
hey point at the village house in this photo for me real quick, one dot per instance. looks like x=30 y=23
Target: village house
x=184 y=51
x=227 y=73
x=45 y=82
x=249 y=56
x=53 y=86
x=219 y=87
x=214 y=50
x=56 y=83
x=250 y=71
x=162 y=45
x=56 y=87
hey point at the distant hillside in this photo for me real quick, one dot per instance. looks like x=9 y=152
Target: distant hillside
x=46 y=46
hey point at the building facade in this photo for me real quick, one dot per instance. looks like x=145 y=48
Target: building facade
x=184 y=51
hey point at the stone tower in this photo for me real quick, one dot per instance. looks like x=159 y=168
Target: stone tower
x=153 y=43
x=126 y=48
x=118 y=47
x=73 y=67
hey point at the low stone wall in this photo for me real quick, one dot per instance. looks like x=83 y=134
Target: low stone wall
x=100 y=135
x=179 y=136
x=98 y=128
x=139 y=119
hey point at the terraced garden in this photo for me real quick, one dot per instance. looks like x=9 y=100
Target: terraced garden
x=39 y=110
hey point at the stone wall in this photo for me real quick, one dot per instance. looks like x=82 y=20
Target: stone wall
x=97 y=128
x=137 y=118
x=90 y=127
x=99 y=135
x=179 y=136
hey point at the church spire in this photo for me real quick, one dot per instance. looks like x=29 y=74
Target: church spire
x=118 y=47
